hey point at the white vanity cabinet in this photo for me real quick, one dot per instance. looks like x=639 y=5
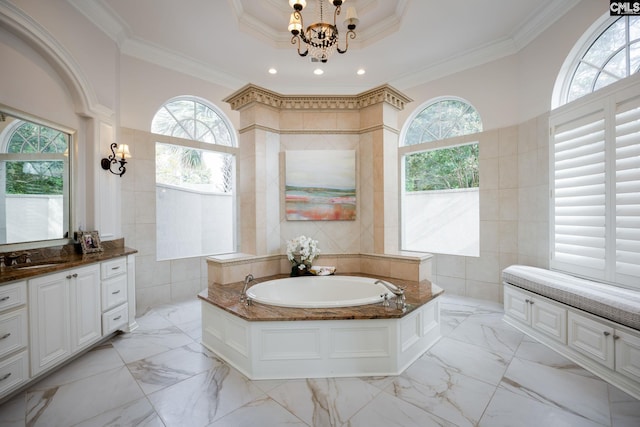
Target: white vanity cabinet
x=64 y=314
x=115 y=310
x=48 y=318
x=14 y=355
x=539 y=313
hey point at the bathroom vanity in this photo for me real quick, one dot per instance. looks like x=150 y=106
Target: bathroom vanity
x=56 y=307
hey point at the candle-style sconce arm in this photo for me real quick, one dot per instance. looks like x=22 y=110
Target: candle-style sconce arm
x=108 y=162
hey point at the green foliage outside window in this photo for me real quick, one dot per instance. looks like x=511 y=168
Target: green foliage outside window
x=35 y=177
x=20 y=182
x=442 y=169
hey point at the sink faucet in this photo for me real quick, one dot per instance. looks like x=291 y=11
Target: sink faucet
x=243 y=295
x=13 y=258
x=397 y=292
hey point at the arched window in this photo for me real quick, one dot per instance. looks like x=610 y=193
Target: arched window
x=440 y=200
x=607 y=53
x=442 y=119
x=595 y=156
x=195 y=174
x=193 y=119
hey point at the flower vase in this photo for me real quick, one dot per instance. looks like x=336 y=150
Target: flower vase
x=300 y=270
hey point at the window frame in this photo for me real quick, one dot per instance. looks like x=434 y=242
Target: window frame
x=69 y=187
x=404 y=150
x=205 y=146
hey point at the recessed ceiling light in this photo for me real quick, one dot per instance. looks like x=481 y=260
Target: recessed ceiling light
x=361 y=71
x=273 y=71
x=318 y=72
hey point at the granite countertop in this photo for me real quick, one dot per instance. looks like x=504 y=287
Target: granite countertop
x=60 y=258
x=227 y=297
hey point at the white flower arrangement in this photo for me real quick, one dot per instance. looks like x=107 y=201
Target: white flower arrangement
x=302 y=250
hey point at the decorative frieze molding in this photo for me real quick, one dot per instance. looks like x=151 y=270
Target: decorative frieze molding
x=250 y=94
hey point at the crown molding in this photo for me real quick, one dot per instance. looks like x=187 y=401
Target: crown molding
x=251 y=94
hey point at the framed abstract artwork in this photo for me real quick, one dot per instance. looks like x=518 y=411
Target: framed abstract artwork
x=320 y=185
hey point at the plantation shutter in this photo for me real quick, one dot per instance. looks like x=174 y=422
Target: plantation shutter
x=595 y=186
x=627 y=193
x=579 y=196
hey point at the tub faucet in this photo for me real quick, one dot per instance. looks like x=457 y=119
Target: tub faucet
x=243 y=295
x=397 y=292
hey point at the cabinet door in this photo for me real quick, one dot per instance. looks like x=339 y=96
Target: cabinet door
x=49 y=333
x=516 y=305
x=86 y=316
x=628 y=355
x=591 y=338
x=549 y=319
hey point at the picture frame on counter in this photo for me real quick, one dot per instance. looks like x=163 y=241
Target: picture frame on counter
x=90 y=242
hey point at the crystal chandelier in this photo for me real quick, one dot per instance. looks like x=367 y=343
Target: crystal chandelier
x=320 y=39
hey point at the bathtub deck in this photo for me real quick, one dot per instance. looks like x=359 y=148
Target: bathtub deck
x=227 y=297
x=269 y=342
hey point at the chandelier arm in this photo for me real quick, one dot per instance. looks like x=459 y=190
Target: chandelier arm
x=350 y=34
x=336 y=13
x=297 y=40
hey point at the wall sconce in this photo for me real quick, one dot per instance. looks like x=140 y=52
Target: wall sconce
x=121 y=151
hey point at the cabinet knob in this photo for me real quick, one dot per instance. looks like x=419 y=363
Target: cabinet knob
x=606 y=334
x=527 y=301
x=616 y=337
x=5 y=377
x=117 y=318
x=115 y=292
x=75 y=274
x=5 y=336
x=3 y=299
x=69 y=276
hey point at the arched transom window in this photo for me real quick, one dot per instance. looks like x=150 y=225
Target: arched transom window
x=441 y=120
x=192 y=119
x=609 y=54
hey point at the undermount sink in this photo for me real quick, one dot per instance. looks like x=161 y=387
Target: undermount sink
x=34 y=266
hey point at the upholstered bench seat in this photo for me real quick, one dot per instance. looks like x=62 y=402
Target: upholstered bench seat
x=610 y=302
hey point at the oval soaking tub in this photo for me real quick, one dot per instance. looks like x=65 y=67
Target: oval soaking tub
x=318 y=292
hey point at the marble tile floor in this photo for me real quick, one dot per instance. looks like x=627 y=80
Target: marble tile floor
x=481 y=373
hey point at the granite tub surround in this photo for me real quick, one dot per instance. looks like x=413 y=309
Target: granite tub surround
x=56 y=258
x=227 y=297
x=272 y=342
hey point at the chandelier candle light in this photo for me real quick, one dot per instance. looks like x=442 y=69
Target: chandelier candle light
x=320 y=38
x=301 y=252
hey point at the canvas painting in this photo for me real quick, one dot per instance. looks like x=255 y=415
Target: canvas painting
x=320 y=185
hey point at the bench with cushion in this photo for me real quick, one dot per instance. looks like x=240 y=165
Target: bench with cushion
x=594 y=324
x=610 y=302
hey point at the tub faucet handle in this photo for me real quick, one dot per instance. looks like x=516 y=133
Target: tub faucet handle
x=385 y=299
x=243 y=295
